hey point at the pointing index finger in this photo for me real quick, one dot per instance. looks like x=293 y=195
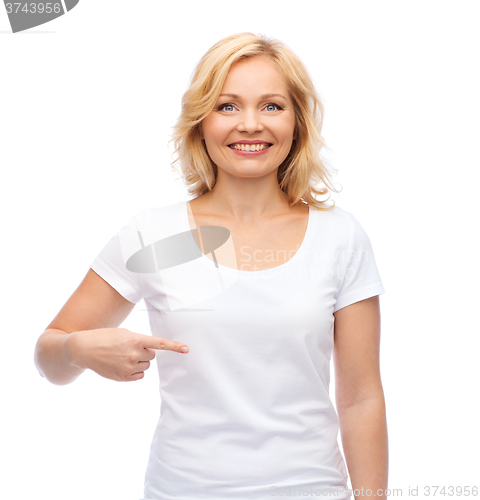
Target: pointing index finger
x=164 y=344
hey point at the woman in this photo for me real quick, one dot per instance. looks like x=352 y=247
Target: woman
x=259 y=282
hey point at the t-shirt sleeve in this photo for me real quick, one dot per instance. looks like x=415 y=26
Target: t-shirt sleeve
x=111 y=263
x=361 y=278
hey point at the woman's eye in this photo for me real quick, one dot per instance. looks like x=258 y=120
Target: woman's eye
x=225 y=107
x=272 y=107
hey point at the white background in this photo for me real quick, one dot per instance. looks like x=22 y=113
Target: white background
x=87 y=102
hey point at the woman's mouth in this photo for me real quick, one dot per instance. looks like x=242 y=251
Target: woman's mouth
x=249 y=147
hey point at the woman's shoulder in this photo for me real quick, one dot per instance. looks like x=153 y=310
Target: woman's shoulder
x=338 y=225
x=158 y=221
x=335 y=214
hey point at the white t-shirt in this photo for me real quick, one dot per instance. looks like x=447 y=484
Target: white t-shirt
x=246 y=414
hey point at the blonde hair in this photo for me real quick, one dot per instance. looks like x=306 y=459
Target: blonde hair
x=303 y=168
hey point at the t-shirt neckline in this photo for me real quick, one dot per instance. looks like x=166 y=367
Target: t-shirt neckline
x=297 y=257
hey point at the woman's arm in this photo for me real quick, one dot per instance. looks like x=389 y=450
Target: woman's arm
x=85 y=334
x=94 y=304
x=359 y=397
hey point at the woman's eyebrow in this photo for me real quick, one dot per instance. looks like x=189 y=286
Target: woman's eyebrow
x=264 y=96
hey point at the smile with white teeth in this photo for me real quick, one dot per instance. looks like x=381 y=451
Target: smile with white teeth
x=249 y=147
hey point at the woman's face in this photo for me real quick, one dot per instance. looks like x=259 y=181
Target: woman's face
x=250 y=131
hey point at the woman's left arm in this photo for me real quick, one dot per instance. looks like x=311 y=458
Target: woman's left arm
x=359 y=397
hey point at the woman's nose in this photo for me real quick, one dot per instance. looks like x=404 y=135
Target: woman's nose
x=250 y=122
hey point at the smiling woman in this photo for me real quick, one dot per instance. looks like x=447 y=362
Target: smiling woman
x=246 y=134
x=259 y=282
x=224 y=82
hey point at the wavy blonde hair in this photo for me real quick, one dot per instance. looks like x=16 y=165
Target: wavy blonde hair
x=303 y=167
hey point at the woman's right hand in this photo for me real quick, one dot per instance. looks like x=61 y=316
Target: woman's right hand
x=116 y=353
